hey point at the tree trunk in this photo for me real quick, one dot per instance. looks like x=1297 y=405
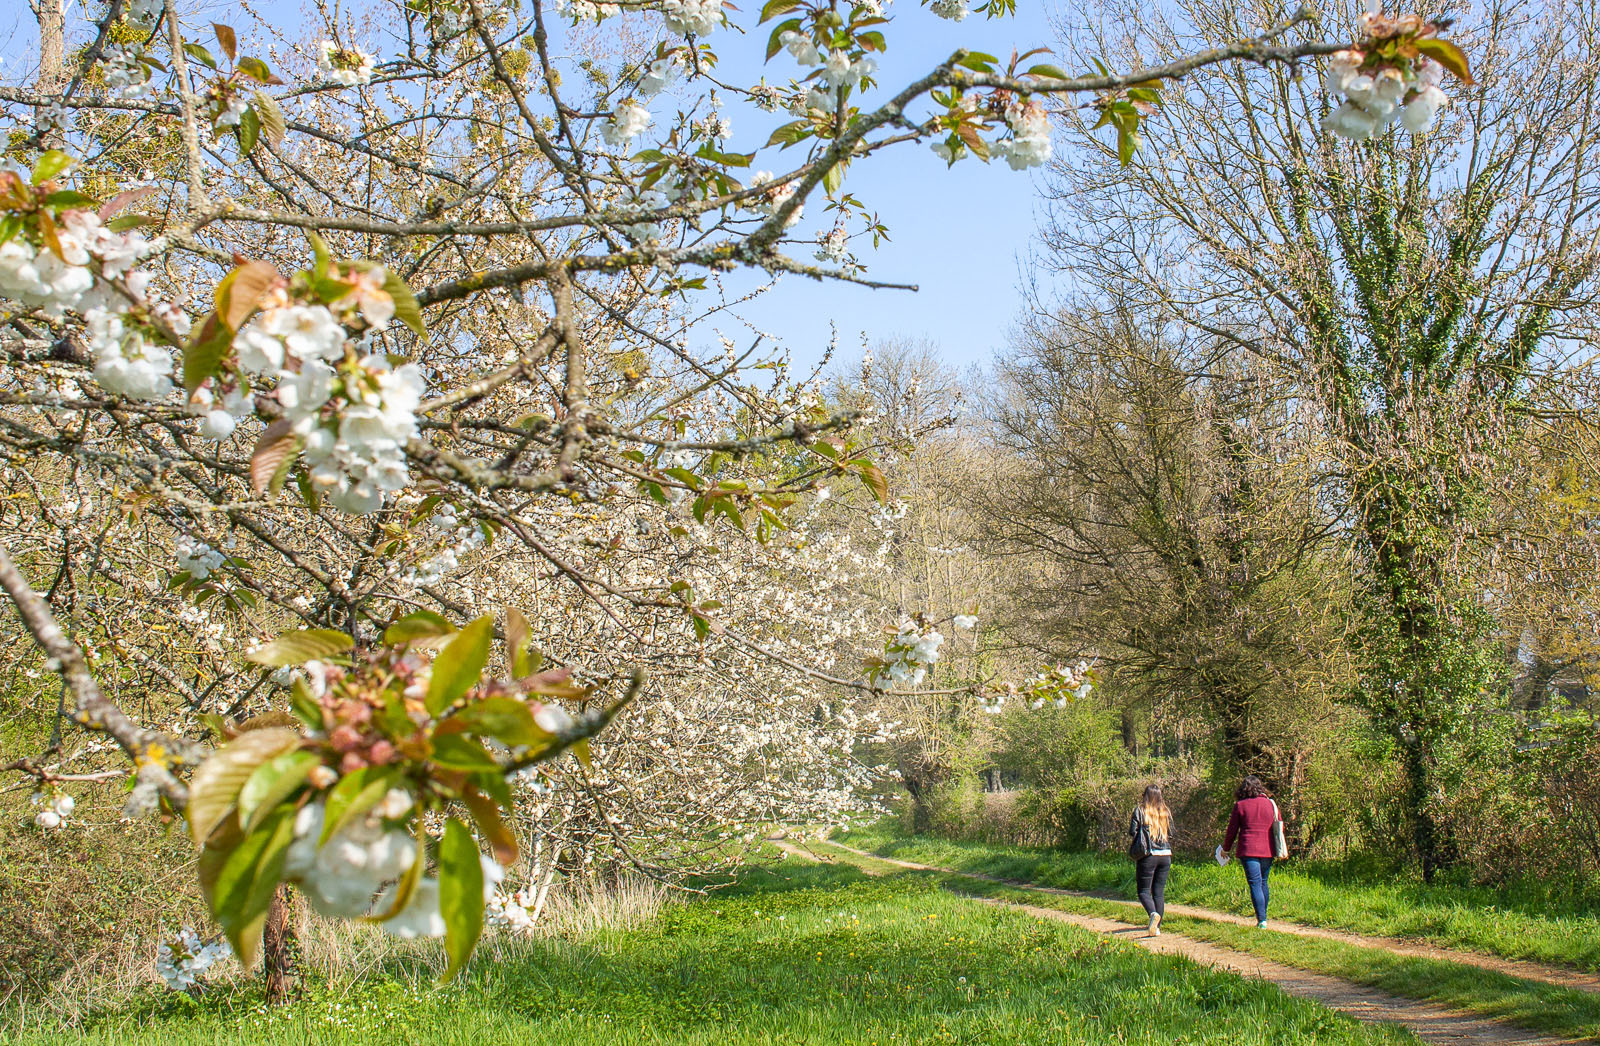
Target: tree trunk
x=52 y=18
x=1435 y=843
x=921 y=815
x=278 y=949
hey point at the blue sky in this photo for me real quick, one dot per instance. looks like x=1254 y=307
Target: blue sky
x=960 y=234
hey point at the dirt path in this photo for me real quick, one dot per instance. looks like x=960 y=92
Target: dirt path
x=1430 y=1022
x=1532 y=971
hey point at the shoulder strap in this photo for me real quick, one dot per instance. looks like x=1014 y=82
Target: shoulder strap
x=1275 y=815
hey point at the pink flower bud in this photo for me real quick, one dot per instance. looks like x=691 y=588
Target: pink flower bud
x=344 y=738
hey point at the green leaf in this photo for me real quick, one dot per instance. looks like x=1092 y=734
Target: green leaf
x=62 y=198
x=406 y=309
x=874 y=479
x=789 y=133
x=49 y=164
x=257 y=70
x=1045 y=71
x=248 y=131
x=319 y=252
x=355 y=794
x=215 y=786
x=505 y=719
x=272 y=783
x=459 y=666
x=833 y=179
x=242 y=891
x=125 y=222
x=203 y=356
x=460 y=895
x=687 y=478
x=774 y=8
x=520 y=656
x=1127 y=142
x=306 y=708
x=725 y=507
x=1444 y=52
x=273 y=124
x=300 y=646
x=420 y=625
x=979 y=62
x=200 y=54
x=459 y=752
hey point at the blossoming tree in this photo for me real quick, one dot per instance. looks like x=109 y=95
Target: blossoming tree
x=386 y=339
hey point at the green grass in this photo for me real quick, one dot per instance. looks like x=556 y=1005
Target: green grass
x=1540 y=928
x=1535 y=1005
x=814 y=956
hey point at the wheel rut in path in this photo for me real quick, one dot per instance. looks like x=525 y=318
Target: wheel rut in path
x=1430 y=1022
x=1581 y=980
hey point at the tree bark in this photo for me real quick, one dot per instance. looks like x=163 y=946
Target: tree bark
x=278 y=941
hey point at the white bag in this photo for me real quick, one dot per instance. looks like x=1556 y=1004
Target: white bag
x=1221 y=858
x=1280 y=845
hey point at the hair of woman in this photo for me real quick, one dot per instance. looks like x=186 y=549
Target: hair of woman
x=1156 y=814
x=1250 y=788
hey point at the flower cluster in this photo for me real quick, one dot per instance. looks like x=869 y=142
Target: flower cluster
x=349 y=66
x=1377 y=96
x=127 y=75
x=461 y=536
x=198 y=558
x=692 y=17
x=1029 y=144
x=907 y=656
x=954 y=10
x=357 y=453
x=771 y=200
x=800 y=47
x=834 y=245
x=628 y=120
x=339 y=877
x=1056 y=686
x=353 y=415
x=1393 y=76
x=184 y=958
x=56 y=277
x=662 y=72
x=75 y=261
x=509 y=911
x=219 y=417
x=58 y=806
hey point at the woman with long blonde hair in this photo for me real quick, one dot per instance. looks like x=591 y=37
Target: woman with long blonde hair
x=1151 y=848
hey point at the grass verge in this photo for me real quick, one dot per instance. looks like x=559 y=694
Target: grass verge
x=1534 y=1005
x=1332 y=896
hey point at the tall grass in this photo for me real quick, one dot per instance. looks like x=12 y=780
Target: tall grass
x=336 y=958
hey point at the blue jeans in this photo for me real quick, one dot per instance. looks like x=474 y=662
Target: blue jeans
x=1256 y=870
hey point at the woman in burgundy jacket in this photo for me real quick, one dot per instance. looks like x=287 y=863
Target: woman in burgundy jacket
x=1250 y=825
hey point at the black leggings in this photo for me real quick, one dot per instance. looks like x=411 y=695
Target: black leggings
x=1151 y=873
